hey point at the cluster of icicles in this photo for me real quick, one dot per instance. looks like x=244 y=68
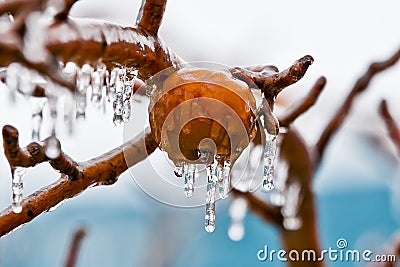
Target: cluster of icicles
x=99 y=86
x=219 y=176
x=96 y=85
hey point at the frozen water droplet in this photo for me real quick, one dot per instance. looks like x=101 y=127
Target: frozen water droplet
x=52 y=148
x=17 y=188
x=292 y=223
x=212 y=180
x=189 y=171
x=225 y=183
x=236 y=231
x=178 y=170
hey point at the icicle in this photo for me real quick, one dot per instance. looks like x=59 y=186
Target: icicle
x=237 y=212
x=281 y=175
x=17 y=188
x=224 y=184
x=270 y=124
x=118 y=104
x=82 y=85
x=12 y=76
x=69 y=112
x=212 y=181
x=111 y=89
x=178 y=170
x=189 y=172
x=96 y=86
x=52 y=148
x=37 y=116
x=289 y=211
x=99 y=81
x=269 y=159
x=128 y=90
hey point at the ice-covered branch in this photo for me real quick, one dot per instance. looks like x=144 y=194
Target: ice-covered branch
x=150 y=15
x=391 y=125
x=102 y=170
x=362 y=83
x=270 y=80
x=303 y=105
x=82 y=41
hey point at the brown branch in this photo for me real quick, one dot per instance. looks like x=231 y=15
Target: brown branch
x=72 y=256
x=269 y=80
x=391 y=125
x=304 y=104
x=362 y=83
x=269 y=213
x=63 y=14
x=150 y=15
x=103 y=170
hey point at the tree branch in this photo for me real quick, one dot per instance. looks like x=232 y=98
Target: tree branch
x=150 y=15
x=103 y=170
x=391 y=125
x=269 y=80
x=75 y=247
x=362 y=83
x=304 y=104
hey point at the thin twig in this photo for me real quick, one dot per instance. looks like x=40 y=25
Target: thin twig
x=269 y=213
x=391 y=125
x=362 y=83
x=269 y=80
x=75 y=246
x=304 y=104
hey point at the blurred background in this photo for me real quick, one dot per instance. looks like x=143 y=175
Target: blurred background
x=357 y=186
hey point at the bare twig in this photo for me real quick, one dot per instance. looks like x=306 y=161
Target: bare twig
x=391 y=125
x=362 y=83
x=75 y=246
x=304 y=104
x=103 y=170
x=150 y=15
